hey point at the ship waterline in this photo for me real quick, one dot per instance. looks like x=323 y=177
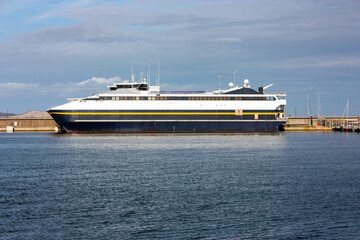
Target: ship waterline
x=135 y=107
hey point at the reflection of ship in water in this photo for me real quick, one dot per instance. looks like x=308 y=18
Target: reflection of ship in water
x=138 y=107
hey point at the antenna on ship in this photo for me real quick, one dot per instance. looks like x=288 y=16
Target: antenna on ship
x=234 y=76
x=132 y=74
x=149 y=75
x=219 y=80
x=158 y=78
x=142 y=76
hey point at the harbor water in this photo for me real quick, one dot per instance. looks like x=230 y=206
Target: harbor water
x=280 y=186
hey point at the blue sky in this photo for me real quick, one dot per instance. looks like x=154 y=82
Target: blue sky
x=53 y=50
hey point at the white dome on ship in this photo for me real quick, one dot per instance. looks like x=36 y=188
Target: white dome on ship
x=246 y=83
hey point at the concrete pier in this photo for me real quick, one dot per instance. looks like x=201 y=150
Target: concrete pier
x=318 y=123
x=292 y=124
x=28 y=125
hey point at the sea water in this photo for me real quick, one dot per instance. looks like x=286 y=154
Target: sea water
x=173 y=186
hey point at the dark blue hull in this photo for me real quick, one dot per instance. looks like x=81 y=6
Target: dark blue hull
x=189 y=126
x=204 y=122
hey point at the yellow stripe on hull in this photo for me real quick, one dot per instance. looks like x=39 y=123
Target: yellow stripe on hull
x=162 y=113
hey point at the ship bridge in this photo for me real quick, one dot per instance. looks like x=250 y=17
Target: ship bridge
x=142 y=86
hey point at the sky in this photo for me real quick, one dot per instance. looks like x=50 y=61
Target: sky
x=53 y=50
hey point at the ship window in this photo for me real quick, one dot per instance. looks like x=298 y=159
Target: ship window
x=123 y=86
x=143 y=87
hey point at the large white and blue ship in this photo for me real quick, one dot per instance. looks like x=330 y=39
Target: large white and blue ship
x=136 y=107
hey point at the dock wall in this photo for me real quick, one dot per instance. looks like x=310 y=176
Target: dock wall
x=320 y=121
x=25 y=124
x=292 y=124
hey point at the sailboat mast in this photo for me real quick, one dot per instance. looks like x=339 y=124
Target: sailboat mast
x=347 y=112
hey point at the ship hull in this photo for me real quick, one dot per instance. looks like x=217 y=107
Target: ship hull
x=153 y=122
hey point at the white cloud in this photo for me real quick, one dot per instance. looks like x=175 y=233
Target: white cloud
x=60 y=88
x=326 y=61
x=100 y=80
x=14 y=87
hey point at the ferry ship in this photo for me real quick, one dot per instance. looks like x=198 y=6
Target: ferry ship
x=137 y=107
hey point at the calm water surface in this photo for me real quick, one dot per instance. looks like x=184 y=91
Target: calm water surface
x=279 y=186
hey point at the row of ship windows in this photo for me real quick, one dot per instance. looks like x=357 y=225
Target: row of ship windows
x=192 y=98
